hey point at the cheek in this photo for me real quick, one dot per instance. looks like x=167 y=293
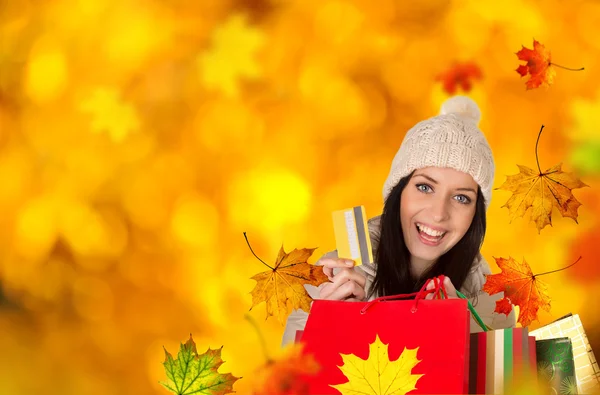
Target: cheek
x=406 y=211
x=404 y=218
x=464 y=221
x=409 y=209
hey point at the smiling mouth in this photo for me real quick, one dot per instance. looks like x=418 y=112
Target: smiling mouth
x=429 y=234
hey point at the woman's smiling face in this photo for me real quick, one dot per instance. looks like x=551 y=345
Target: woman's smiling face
x=436 y=210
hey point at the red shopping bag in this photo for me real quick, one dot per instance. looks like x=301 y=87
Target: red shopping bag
x=428 y=338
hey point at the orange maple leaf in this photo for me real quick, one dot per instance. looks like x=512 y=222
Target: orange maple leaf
x=282 y=287
x=521 y=288
x=503 y=306
x=538 y=65
x=286 y=375
x=542 y=191
x=459 y=74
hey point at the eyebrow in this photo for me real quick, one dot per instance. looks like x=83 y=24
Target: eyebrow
x=435 y=182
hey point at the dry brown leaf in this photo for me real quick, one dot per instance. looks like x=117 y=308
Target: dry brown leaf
x=541 y=191
x=282 y=287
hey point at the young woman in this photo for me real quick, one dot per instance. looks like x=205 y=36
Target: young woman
x=433 y=221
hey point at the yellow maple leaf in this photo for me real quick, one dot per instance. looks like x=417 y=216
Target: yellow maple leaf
x=111 y=114
x=234 y=45
x=282 y=287
x=542 y=191
x=378 y=375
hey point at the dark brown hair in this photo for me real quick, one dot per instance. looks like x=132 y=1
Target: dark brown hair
x=393 y=258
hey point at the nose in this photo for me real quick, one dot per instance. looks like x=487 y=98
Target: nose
x=440 y=209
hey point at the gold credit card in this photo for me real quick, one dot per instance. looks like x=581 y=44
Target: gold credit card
x=352 y=235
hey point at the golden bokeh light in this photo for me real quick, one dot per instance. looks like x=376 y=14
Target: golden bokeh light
x=140 y=139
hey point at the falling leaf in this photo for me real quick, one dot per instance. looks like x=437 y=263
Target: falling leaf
x=538 y=65
x=193 y=373
x=521 y=288
x=542 y=192
x=378 y=375
x=111 y=114
x=503 y=306
x=459 y=74
x=282 y=287
x=232 y=56
x=286 y=374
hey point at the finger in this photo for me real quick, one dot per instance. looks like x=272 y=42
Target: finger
x=429 y=287
x=330 y=263
x=328 y=271
x=326 y=290
x=353 y=300
x=349 y=275
x=347 y=290
x=450 y=289
x=336 y=262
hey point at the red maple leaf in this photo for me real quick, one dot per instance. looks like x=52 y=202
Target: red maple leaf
x=287 y=374
x=521 y=288
x=538 y=65
x=459 y=74
x=503 y=306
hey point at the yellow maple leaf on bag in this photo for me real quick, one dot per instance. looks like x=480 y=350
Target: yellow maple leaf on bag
x=282 y=287
x=377 y=375
x=541 y=191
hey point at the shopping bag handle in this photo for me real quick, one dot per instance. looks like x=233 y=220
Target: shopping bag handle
x=476 y=316
x=439 y=292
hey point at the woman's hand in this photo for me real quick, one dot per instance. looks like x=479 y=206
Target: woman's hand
x=450 y=290
x=347 y=284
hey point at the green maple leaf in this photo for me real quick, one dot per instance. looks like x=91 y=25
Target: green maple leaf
x=193 y=373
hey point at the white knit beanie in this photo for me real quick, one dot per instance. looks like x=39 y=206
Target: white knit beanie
x=451 y=139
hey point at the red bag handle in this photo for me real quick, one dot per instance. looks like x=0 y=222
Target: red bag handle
x=439 y=292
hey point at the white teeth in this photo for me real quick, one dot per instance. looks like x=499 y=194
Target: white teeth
x=429 y=231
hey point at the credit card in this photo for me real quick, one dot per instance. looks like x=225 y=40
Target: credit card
x=352 y=235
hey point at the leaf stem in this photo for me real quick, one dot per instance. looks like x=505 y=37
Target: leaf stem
x=536 y=150
x=558 y=270
x=249 y=246
x=263 y=343
x=566 y=68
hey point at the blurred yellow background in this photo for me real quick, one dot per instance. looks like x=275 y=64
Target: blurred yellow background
x=139 y=139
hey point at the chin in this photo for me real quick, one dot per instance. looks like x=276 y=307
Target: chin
x=427 y=257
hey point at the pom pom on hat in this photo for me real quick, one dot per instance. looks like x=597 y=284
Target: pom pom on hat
x=462 y=106
x=451 y=139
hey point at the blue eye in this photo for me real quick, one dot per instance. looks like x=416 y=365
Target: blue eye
x=465 y=199
x=423 y=188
